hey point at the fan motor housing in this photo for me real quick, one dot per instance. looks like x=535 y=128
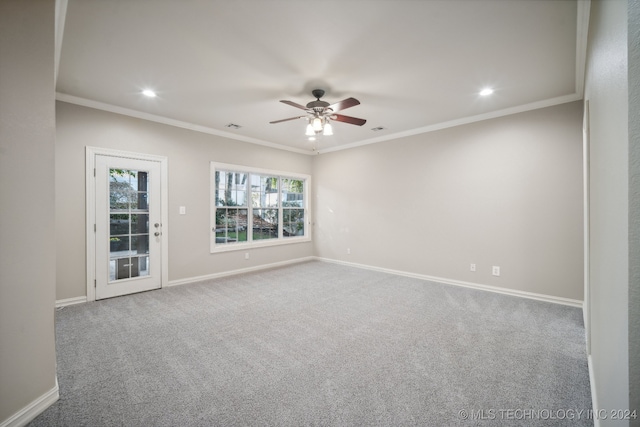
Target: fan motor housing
x=317 y=105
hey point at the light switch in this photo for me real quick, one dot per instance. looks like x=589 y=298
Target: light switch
x=183 y=210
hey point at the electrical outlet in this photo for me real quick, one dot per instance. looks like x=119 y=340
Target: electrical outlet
x=496 y=270
x=473 y=267
x=183 y=210
x=246 y=255
x=348 y=251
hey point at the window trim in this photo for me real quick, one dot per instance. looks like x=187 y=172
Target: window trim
x=216 y=248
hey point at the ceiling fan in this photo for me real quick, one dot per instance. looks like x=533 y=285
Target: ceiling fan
x=320 y=113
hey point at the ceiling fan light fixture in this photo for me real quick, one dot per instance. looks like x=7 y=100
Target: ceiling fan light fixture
x=328 y=129
x=310 y=131
x=317 y=124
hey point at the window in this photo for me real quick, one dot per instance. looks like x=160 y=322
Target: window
x=252 y=207
x=264 y=201
x=292 y=207
x=230 y=207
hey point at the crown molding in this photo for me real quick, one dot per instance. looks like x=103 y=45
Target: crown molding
x=462 y=121
x=172 y=122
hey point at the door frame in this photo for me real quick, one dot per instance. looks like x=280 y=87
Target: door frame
x=586 y=170
x=90 y=188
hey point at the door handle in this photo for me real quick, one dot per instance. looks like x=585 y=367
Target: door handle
x=156 y=225
x=157 y=233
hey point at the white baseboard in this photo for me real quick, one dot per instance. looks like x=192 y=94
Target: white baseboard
x=70 y=301
x=512 y=292
x=239 y=271
x=505 y=291
x=35 y=408
x=79 y=300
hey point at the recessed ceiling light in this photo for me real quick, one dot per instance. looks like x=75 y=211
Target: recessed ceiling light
x=149 y=93
x=486 y=91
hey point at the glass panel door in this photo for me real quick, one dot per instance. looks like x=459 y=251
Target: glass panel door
x=128 y=226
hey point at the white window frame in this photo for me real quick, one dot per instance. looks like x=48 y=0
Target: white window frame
x=280 y=240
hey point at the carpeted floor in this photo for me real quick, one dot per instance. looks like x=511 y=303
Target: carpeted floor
x=319 y=344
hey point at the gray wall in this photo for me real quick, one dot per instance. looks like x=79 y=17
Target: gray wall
x=501 y=192
x=504 y=192
x=606 y=90
x=634 y=204
x=27 y=228
x=189 y=154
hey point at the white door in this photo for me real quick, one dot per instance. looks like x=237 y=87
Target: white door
x=128 y=227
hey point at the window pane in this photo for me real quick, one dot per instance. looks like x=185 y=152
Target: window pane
x=264 y=191
x=231 y=188
x=121 y=196
x=119 y=246
x=293 y=222
x=292 y=200
x=231 y=225
x=143 y=265
x=223 y=222
x=128 y=189
x=265 y=224
x=139 y=245
x=219 y=186
x=292 y=192
x=119 y=224
x=238 y=198
x=140 y=201
x=139 y=224
x=239 y=219
x=112 y=270
x=126 y=268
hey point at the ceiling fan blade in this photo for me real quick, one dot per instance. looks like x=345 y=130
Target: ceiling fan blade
x=344 y=104
x=348 y=119
x=293 y=104
x=286 y=120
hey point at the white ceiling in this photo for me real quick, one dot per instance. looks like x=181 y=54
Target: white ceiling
x=414 y=65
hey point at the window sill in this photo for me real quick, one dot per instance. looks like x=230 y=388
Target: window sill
x=228 y=247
